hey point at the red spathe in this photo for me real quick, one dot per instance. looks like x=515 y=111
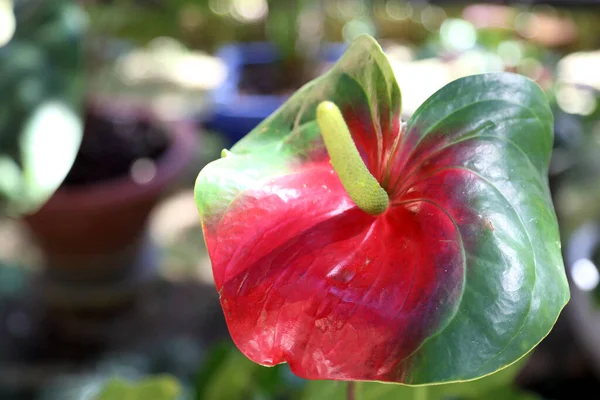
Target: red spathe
x=306 y=277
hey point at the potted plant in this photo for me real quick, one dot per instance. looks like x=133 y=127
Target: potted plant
x=41 y=129
x=262 y=75
x=357 y=247
x=92 y=231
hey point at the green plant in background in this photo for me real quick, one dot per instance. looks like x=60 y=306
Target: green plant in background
x=227 y=374
x=198 y=24
x=498 y=386
x=155 y=388
x=41 y=84
x=296 y=43
x=137 y=22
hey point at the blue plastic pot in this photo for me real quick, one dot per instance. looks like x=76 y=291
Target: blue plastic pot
x=235 y=115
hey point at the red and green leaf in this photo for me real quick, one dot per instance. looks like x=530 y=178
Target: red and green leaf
x=461 y=276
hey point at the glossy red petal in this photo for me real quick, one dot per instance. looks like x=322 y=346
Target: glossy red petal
x=307 y=278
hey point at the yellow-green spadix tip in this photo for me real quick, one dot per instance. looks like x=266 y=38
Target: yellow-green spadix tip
x=361 y=186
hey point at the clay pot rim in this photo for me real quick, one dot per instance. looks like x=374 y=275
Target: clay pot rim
x=123 y=189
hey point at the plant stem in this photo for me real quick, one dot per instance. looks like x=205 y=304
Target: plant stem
x=351 y=394
x=421 y=393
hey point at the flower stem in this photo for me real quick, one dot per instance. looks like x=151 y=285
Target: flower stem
x=351 y=394
x=361 y=186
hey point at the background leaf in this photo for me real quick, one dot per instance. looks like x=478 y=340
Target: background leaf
x=226 y=374
x=155 y=388
x=495 y=386
x=41 y=84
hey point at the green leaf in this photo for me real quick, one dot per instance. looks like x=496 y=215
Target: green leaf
x=156 y=388
x=497 y=130
x=41 y=91
x=506 y=393
x=226 y=374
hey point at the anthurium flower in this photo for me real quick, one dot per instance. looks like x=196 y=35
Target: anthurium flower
x=355 y=247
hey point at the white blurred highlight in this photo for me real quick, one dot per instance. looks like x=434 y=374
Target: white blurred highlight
x=8 y=24
x=585 y=274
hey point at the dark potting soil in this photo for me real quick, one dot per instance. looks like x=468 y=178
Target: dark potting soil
x=267 y=79
x=110 y=146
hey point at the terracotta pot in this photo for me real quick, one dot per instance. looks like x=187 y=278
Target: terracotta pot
x=93 y=237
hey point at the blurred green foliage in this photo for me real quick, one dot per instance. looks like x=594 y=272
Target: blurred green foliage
x=154 y=388
x=575 y=170
x=41 y=84
x=379 y=391
x=199 y=24
x=227 y=374
x=495 y=386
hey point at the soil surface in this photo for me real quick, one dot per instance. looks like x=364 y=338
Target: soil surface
x=268 y=79
x=110 y=146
